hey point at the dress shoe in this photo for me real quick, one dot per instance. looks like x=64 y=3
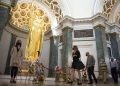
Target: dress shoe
x=14 y=81
x=90 y=83
x=70 y=82
x=79 y=83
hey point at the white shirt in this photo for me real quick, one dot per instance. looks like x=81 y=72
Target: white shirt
x=113 y=64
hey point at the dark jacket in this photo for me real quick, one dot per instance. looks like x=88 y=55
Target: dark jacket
x=90 y=61
x=76 y=55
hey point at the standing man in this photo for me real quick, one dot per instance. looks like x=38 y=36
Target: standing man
x=90 y=68
x=114 y=70
x=118 y=63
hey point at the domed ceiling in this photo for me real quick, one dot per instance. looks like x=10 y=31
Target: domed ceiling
x=78 y=8
x=21 y=13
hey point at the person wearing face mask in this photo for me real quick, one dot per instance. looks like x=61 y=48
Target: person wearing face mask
x=90 y=68
x=16 y=59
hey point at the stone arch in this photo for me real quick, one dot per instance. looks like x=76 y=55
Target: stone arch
x=114 y=12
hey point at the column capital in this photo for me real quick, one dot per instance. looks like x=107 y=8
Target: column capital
x=5 y=3
x=4 y=6
x=100 y=26
x=115 y=29
x=54 y=36
x=17 y=32
x=99 y=20
x=67 y=28
x=8 y=3
x=66 y=21
x=49 y=33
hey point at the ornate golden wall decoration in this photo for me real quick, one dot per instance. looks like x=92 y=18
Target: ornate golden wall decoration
x=107 y=8
x=118 y=17
x=55 y=7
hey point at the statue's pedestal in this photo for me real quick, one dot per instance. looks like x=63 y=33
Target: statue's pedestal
x=103 y=72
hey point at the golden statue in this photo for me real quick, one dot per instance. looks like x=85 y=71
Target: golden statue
x=36 y=34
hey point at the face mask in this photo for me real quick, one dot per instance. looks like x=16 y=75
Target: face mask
x=18 y=47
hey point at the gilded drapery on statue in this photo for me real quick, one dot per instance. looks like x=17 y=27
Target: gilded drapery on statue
x=34 y=44
x=36 y=34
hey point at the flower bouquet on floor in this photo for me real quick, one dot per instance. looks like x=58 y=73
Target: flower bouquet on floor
x=84 y=76
x=68 y=74
x=39 y=73
x=58 y=72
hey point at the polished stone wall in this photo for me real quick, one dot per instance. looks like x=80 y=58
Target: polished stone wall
x=12 y=43
x=101 y=44
x=67 y=45
x=4 y=49
x=114 y=38
x=53 y=57
x=4 y=16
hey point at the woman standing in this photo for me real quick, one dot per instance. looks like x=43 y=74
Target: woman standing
x=16 y=58
x=77 y=65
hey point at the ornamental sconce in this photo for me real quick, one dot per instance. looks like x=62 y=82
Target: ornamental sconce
x=13 y=2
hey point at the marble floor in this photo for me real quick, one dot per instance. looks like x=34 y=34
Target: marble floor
x=48 y=82
x=5 y=82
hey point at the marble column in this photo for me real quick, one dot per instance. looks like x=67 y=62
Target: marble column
x=4 y=16
x=101 y=44
x=12 y=43
x=115 y=44
x=53 y=59
x=67 y=46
